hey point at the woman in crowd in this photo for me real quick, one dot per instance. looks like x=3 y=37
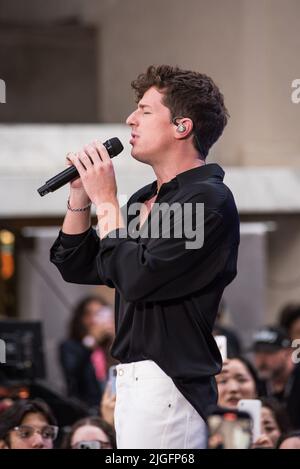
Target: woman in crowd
x=90 y=433
x=85 y=355
x=274 y=419
x=27 y=424
x=238 y=380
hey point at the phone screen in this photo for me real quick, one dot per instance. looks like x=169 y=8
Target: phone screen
x=229 y=430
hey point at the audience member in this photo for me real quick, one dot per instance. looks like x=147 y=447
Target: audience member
x=85 y=354
x=28 y=424
x=91 y=433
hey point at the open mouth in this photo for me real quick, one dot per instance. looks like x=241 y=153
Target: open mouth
x=233 y=401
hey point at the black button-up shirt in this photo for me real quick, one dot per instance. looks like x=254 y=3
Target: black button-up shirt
x=166 y=296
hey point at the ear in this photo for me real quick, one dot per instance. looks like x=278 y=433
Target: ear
x=183 y=128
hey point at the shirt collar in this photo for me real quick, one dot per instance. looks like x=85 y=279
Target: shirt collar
x=191 y=175
x=200 y=173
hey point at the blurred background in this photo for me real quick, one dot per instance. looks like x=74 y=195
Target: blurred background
x=67 y=66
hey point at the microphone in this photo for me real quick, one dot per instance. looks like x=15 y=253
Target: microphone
x=113 y=147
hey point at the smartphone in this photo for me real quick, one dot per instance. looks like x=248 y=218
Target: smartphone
x=221 y=341
x=229 y=429
x=253 y=408
x=112 y=376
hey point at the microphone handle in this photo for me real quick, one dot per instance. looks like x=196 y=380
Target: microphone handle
x=67 y=175
x=59 y=180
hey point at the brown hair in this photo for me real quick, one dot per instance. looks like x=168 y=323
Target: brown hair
x=288 y=315
x=94 y=422
x=188 y=94
x=13 y=416
x=279 y=413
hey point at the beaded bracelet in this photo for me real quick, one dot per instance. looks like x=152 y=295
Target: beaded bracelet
x=82 y=209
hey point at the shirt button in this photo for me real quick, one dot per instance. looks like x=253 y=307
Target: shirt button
x=121 y=372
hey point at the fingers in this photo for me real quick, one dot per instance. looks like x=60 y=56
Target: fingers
x=93 y=154
x=100 y=148
x=69 y=161
x=263 y=441
x=75 y=161
x=80 y=157
x=85 y=159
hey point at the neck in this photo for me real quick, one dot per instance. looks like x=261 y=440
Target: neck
x=168 y=168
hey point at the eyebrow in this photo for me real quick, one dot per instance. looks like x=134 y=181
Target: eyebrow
x=142 y=106
x=235 y=375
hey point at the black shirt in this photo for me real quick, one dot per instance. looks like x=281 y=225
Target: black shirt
x=166 y=296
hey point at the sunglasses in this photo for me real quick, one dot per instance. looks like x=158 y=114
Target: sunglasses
x=49 y=432
x=92 y=444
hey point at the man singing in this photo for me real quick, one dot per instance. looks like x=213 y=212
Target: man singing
x=167 y=289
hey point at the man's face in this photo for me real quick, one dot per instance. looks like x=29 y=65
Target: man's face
x=21 y=440
x=152 y=132
x=270 y=365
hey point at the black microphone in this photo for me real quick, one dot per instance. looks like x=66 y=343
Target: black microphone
x=113 y=147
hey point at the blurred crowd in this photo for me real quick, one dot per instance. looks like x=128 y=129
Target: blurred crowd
x=267 y=373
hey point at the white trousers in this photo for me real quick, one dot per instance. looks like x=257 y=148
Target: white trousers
x=151 y=413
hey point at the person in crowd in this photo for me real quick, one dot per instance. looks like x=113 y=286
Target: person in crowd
x=289 y=319
x=238 y=380
x=274 y=419
x=84 y=356
x=289 y=440
x=28 y=424
x=90 y=433
x=276 y=364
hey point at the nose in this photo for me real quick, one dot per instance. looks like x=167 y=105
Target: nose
x=233 y=386
x=131 y=119
x=37 y=441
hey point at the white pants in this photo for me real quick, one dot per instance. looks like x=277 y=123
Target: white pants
x=151 y=413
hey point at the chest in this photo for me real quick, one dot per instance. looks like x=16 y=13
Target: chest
x=146 y=209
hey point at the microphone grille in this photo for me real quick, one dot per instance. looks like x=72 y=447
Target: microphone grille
x=113 y=146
